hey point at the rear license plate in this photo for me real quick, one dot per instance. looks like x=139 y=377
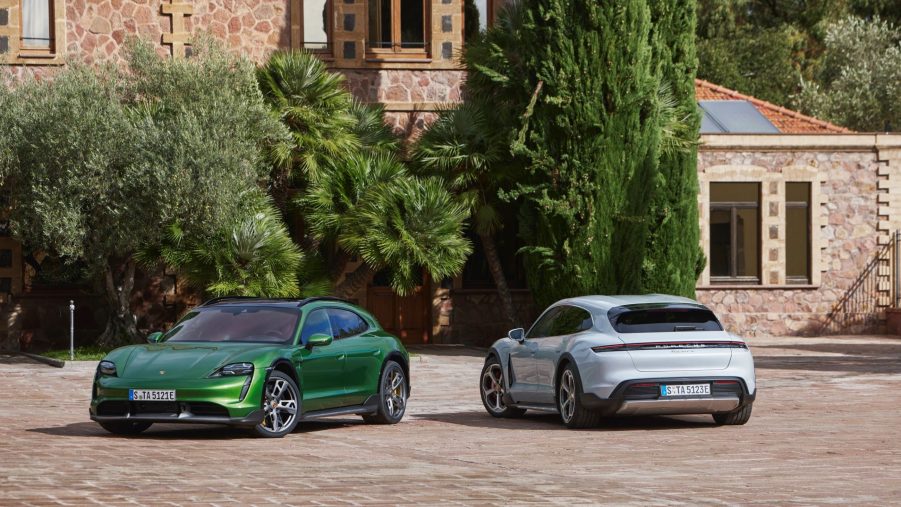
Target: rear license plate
x=685 y=390
x=151 y=395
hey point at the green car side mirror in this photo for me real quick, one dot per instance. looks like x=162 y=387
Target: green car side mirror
x=319 y=340
x=154 y=337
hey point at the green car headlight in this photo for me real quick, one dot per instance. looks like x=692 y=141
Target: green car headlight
x=107 y=368
x=234 y=369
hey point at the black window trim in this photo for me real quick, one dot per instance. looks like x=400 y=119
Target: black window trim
x=365 y=320
x=561 y=305
x=807 y=205
x=614 y=312
x=301 y=322
x=733 y=207
x=545 y=312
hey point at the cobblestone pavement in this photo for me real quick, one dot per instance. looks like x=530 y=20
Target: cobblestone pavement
x=825 y=430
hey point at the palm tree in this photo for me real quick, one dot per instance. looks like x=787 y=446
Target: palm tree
x=313 y=103
x=462 y=147
x=414 y=223
x=371 y=207
x=370 y=128
x=253 y=257
x=347 y=175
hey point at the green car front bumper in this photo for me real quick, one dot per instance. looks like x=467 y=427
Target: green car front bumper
x=222 y=400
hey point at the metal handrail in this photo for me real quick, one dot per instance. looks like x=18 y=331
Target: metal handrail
x=860 y=304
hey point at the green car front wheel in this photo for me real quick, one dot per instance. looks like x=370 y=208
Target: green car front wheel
x=281 y=404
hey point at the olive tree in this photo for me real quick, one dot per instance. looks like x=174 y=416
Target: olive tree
x=859 y=82
x=97 y=161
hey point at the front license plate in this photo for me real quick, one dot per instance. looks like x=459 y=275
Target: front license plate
x=685 y=390
x=151 y=395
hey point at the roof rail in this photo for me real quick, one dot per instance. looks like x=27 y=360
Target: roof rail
x=242 y=298
x=322 y=298
x=300 y=302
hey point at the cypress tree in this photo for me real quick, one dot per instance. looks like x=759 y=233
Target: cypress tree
x=674 y=257
x=590 y=139
x=596 y=102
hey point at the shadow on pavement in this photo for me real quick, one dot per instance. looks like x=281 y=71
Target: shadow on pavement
x=448 y=350
x=850 y=364
x=16 y=359
x=884 y=350
x=849 y=355
x=546 y=421
x=163 y=431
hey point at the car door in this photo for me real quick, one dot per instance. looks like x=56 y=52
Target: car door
x=522 y=359
x=568 y=322
x=362 y=364
x=321 y=368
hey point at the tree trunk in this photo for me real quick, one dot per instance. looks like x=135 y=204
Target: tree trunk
x=121 y=325
x=355 y=281
x=338 y=264
x=500 y=281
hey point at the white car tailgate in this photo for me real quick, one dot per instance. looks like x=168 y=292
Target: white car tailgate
x=679 y=351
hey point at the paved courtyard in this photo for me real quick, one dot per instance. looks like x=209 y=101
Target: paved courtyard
x=826 y=429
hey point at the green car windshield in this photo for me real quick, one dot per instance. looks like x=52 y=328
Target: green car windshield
x=254 y=324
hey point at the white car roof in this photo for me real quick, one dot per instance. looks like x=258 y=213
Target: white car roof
x=605 y=303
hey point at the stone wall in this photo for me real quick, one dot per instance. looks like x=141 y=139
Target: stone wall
x=394 y=87
x=846 y=221
x=254 y=28
x=94 y=31
x=410 y=96
x=475 y=317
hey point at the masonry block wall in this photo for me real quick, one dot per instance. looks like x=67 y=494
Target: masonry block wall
x=850 y=184
x=410 y=85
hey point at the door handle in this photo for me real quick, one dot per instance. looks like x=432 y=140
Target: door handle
x=341 y=357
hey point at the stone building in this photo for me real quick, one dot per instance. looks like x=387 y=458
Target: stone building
x=797 y=217
x=795 y=212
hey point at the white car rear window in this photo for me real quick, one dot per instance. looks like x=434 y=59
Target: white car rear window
x=662 y=318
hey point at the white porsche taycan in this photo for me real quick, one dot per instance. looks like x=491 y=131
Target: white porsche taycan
x=595 y=356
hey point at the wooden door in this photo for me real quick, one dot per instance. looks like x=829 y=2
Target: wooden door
x=407 y=317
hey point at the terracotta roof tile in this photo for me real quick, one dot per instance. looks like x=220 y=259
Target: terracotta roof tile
x=786 y=120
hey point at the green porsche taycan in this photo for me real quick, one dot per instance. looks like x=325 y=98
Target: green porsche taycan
x=265 y=364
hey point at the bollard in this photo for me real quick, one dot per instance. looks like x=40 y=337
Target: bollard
x=71 y=330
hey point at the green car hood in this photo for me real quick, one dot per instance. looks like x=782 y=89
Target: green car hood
x=183 y=360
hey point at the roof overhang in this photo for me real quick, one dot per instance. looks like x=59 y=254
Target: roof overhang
x=793 y=142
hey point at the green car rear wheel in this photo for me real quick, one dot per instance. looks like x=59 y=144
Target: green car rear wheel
x=392 y=396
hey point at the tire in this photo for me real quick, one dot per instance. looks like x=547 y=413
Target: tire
x=569 y=402
x=734 y=418
x=125 y=427
x=393 y=395
x=281 y=406
x=493 y=389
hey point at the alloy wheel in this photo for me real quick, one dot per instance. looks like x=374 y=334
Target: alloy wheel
x=567 y=396
x=395 y=393
x=279 y=405
x=493 y=388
